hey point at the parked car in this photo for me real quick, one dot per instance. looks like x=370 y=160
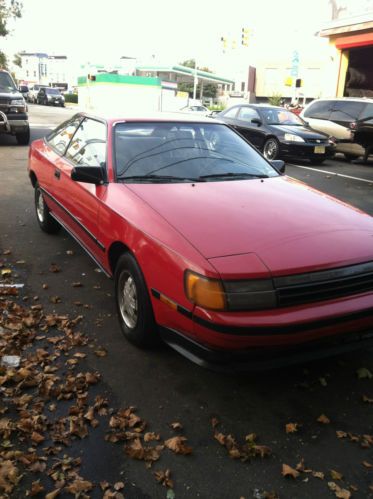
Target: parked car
x=210 y=247
x=196 y=110
x=13 y=110
x=33 y=92
x=335 y=116
x=24 y=90
x=50 y=97
x=278 y=133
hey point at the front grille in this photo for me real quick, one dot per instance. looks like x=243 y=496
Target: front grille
x=4 y=101
x=324 y=285
x=317 y=141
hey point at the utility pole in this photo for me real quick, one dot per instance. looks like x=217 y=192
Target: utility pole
x=195 y=79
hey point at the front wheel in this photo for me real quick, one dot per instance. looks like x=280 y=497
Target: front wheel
x=45 y=220
x=134 y=307
x=271 y=149
x=317 y=161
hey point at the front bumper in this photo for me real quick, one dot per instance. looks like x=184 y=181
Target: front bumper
x=13 y=122
x=260 y=359
x=306 y=150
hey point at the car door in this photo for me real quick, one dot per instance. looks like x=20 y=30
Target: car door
x=253 y=132
x=81 y=200
x=317 y=115
x=51 y=159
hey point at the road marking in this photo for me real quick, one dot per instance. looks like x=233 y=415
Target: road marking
x=332 y=173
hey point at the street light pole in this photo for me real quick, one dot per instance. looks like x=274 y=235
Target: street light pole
x=195 y=80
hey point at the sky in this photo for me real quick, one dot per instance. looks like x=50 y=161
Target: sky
x=88 y=30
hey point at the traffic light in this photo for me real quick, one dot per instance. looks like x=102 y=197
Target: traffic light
x=245 y=34
x=224 y=42
x=298 y=83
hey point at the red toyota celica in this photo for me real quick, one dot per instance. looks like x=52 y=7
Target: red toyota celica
x=212 y=248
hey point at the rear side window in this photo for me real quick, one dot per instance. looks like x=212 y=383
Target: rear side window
x=346 y=111
x=367 y=112
x=319 y=110
x=231 y=113
x=60 y=138
x=247 y=114
x=88 y=147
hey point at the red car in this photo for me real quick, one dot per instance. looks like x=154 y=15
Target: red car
x=211 y=247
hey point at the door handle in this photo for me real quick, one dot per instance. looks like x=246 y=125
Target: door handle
x=57 y=173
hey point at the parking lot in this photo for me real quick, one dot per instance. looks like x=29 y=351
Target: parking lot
x=328 y=403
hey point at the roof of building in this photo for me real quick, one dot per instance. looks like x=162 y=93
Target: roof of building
x=203 y=75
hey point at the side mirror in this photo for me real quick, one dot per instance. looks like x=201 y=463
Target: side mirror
x=279 y=165
x=257 y=121
x=90 y=174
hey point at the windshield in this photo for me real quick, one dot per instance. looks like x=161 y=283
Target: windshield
x=183 y=152
x=279 y=116
x=6 y=82
x=53 y=91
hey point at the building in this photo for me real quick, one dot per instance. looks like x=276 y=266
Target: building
x=39 y=67
x=350 y=36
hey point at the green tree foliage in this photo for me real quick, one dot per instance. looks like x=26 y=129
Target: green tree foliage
x=8 y=9
x=3 y=60
x=17 y=61
x=209 y=89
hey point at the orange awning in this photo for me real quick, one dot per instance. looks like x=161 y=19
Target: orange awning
x=347 y=42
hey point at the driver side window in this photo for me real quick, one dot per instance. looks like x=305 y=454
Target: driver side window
x=88 y=147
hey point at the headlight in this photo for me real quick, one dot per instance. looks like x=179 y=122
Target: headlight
x=17 y=102
x=253 y=294
x=290 y=137
x=205 y=292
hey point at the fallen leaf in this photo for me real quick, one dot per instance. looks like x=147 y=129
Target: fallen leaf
x=341 y=434
x=336 y=475
x=163 y=477
x=291 y=427
x=101 y=352
x=53 y=494
x=366 y=399
x=37 y=437
x=318 y=474
x=150 y=436
x=323 y=419
x=338 y=491
x=177 y=426
x=289 y=471
x=363 y=372
x=367 y=464
x=119 y=486
x=36 y=488
x=54 y=268
x=79 y=486
x=77 y=284
x=177 y=445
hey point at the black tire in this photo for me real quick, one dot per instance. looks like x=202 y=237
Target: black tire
x=133 y=303
x=350 y=157
x=45 y=220
x=271 y=149
x=317 y=161
x=23 y=138
x=45 y=102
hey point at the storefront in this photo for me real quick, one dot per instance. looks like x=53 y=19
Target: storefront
x=351 y=48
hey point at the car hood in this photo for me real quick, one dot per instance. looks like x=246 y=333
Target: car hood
x=13 y=94
x=303 y=131
x=287 y=224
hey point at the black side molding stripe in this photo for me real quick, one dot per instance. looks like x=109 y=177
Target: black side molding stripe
x=269 y=330
x=94 y=239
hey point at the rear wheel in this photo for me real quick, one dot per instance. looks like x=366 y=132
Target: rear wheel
x=23 y=138
x=45 y=220
x=271 y=149
x=134 y=307
x=350 y=157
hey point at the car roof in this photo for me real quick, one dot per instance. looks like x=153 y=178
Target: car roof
x=346 y=99
x=151 y=117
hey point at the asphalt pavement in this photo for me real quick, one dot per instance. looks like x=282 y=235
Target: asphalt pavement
x=166 y=388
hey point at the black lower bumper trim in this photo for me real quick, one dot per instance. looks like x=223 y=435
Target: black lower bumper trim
x=264 y=358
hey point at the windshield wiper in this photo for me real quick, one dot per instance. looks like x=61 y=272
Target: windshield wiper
x=233 y=175
x=159 y=177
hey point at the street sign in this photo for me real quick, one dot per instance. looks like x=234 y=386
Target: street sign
x=294 y=64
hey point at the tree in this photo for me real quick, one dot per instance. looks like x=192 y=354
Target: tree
x=8 y=9
x=208 y=89
x=17 y=61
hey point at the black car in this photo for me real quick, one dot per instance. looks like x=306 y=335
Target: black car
x=13 y=110
x=50 y=97
x=277 y=132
